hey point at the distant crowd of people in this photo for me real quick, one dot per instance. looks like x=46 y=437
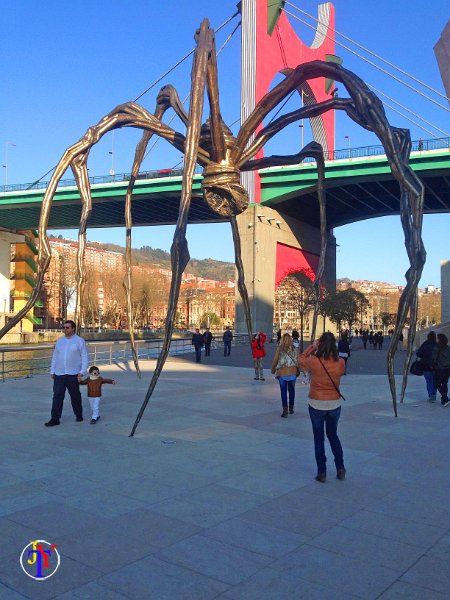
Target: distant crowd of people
x=204 y=340
x=375 y=338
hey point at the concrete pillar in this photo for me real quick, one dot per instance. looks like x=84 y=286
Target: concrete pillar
x=261 y=228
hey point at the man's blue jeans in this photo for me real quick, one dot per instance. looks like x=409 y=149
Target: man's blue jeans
x=328 y=420
x=431 y=383
x=285 y=387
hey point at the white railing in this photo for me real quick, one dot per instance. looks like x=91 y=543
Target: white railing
x=26 y=361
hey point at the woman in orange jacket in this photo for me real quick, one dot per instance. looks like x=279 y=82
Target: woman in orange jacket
x=324 y=400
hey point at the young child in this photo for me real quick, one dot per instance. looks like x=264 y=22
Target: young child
x=94 y=386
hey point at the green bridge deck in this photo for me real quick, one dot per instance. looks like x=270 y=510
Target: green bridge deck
x=357 y=189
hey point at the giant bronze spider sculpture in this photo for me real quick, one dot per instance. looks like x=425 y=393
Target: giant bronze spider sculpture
x=223 y=157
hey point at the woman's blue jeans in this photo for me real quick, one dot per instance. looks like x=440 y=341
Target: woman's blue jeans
x=431 y=383
x=285 y=388
x=328 y=420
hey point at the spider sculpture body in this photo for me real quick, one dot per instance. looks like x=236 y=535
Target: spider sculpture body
x=223 y=157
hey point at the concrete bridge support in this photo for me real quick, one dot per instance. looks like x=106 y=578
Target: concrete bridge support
x=274 y=244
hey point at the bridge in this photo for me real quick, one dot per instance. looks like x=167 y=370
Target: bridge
x=359 y=185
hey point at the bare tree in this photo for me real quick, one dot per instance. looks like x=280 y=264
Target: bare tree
x=298 y=291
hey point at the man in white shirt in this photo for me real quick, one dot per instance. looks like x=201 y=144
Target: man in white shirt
x=69 y=363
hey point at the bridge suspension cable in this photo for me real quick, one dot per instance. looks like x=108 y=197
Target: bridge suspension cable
x=387 y=62
x=410 y=111
x=178 y=63
x=372 y=64
x=187 y=96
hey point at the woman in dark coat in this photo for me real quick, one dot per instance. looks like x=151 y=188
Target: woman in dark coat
x=344 y=350
x=441 y=363
x=425 y=353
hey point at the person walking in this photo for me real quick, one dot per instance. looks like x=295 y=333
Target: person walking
x=227 y=339
x=365 y=337
x=324 y=403
x=197 y=342
x=94 y=388
x=69 y=362
x=258 y=353
x=295 y=338
x=207 y=339
x=441 y=364
x=425 y=353
x=344 y=350
x=285 y=368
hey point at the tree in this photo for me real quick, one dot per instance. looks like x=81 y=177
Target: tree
x=298 y=291
x=209 y=319
x=341 y=307
x=362 y=304
x=387 y=319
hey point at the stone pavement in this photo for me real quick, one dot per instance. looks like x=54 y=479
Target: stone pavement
x=215 y=495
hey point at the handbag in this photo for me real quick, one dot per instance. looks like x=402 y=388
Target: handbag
x=416 y=367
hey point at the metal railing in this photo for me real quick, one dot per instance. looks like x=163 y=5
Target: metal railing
x=25 y=361
x=342 y=154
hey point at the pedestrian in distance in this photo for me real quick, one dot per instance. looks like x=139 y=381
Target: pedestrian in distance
x=227 y=339
x=284 y=367
x=69 y=362
x=258 y=353
x=295 y=338
x=207 y=339
x=197 y=341
x=278 y=336
x=324 y=400
x=441 y=364
x=425 y=353
x=365 y=337
x=344 y=350
x=94 y=391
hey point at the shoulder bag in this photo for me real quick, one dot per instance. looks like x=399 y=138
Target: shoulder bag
x=332 y=381
x=416 y=367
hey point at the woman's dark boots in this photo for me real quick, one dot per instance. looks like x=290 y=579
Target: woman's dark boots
x=291 y=408
x=285 y=412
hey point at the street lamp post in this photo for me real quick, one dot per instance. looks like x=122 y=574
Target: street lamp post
x=7 y=145
x=347 y=137
x=112 y=171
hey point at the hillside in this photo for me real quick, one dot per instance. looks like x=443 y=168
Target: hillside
x=155 y=257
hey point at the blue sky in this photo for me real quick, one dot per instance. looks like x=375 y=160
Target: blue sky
x=65 y=66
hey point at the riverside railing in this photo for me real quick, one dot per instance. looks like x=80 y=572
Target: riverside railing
x=342 y=154
x=25 y=361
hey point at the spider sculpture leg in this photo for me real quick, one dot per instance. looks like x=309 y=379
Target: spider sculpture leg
x=179 y=250
x=366 y=110
x=125 y=115
x=313 y=150
x=167 y=98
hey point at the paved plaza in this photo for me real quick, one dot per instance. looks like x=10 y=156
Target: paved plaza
x=215 y=495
